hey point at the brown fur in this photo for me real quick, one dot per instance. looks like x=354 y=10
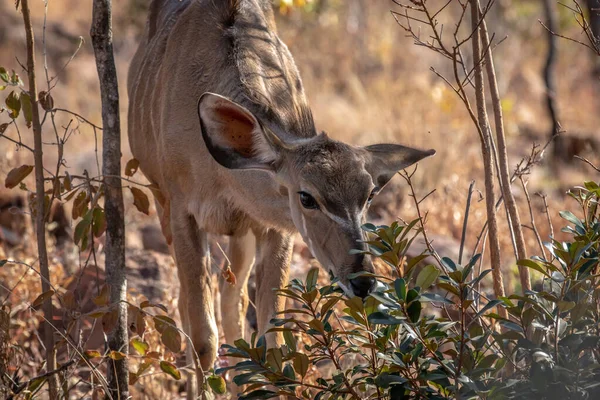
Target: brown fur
x=234 y=161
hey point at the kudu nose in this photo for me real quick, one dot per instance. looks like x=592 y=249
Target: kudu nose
x=362 y=286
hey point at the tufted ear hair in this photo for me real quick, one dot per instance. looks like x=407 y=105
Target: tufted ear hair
x=233 y=135
x=385 y=160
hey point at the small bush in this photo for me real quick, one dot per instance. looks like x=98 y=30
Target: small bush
x=431 y=333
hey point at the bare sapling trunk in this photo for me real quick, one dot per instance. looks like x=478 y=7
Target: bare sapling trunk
x=101 y=33
x=509 y=199
x=40 y=212
x=550 y=78
x=488 y=157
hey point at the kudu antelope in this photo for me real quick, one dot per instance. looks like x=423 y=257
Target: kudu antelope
x=219 y=122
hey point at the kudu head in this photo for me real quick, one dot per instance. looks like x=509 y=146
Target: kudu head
x=330 y=184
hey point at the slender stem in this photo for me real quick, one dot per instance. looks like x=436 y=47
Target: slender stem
x=40 y=223
x=465 y=222
x=488 y=162
x=509 y=199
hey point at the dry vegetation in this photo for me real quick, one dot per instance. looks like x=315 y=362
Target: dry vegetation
x=366 y=82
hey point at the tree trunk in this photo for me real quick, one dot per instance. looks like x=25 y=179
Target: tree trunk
x=40 y=212
x=101 y=33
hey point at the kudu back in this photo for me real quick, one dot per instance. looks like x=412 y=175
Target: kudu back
x=220 y=123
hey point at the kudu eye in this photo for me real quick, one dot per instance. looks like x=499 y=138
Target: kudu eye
x=373 y=193
x=308 y=201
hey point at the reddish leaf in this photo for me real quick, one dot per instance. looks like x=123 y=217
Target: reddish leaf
x=79 y=205
x=17 y=175
x=229 y=276
x=116 y=355
x=140 y=323
x=68 y=300
x=140 y=200
x=92 y=354
x=133 y=378
x=46 y=101
x=110 y=320
x=153 y=354
x=27 y=109
x=42 y=298
x=131 y=167
x=102 y=298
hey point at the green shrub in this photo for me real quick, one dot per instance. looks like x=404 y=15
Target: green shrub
x=431 y=334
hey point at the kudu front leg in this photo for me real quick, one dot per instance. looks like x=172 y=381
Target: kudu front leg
x=234 y=298
x=196 y=305
x=272 y=272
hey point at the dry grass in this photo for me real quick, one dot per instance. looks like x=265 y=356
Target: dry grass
x=366 y=83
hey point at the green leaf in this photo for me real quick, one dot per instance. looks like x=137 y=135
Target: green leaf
x=569 y=216
x=3 y=263
x=81 y=229
x=487 y=307
x=99 y=219
x=4 y=75
x=400 y=286
x=258 y=395
x=288 y=371
x=427 y=276
x=414 y=311
x=511 y=325
x=217 y=384
x=449 y=264
x=565 y=305
x=301 y=363
x=384 y=380
x=290 y=340
x=172 y=339
x=13 y=103
x=170 y=369
x=536 y=266
x=140 y=346
x=311 y=279
x=384 y=319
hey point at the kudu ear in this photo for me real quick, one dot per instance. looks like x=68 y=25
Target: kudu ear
x=385 y=160
x=233 y=136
